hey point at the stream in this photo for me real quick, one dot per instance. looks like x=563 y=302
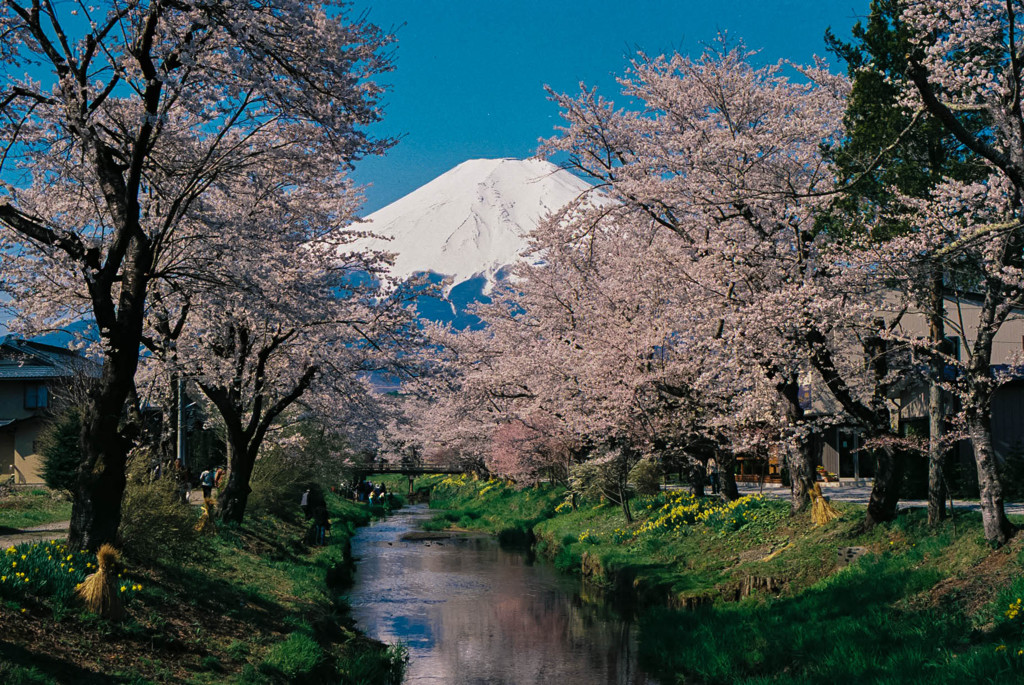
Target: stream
x=471 y=612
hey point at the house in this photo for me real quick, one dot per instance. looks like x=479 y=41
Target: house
x=31 y=374
x=840 y=446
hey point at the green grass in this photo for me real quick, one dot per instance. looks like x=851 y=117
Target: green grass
x=27 y=508
x=489 y=506
x=767 y=601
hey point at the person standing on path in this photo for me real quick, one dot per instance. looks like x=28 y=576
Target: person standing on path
x=207 y=479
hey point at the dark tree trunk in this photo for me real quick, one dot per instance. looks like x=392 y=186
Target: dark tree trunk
x=624 y=497
x=801 y=476
x=247 y=426
x=936 y=451
x=801 y=459
x=978 y=405
x=936 y=457
x=96 y=510
x=885 y=493
x=727 y=477
x=235 y=496
x=106 y=435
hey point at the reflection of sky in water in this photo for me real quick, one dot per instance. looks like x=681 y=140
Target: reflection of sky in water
x=415 y=631
x=472 y=613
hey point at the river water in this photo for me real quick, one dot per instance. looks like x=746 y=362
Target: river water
x=471 y=612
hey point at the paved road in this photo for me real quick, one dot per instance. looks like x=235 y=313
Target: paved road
x=858 y=494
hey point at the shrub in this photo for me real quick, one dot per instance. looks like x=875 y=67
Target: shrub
x=155 y=525
x=645 y=477
x=277 y=486
x=60 y=445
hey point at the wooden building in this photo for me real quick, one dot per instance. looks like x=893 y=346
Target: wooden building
x=31 y=374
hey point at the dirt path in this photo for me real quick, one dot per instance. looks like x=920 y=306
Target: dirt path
x=57 y=530
x=48 y=531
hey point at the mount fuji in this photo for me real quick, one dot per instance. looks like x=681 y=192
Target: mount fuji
x=473 y=220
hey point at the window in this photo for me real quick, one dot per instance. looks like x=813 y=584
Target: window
x=36 y=396
x=951 y=346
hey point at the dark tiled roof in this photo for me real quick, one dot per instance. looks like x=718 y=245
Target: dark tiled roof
x=24 y=359
x=14 y=371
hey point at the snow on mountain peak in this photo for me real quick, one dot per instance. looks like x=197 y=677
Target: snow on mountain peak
x=472 y=220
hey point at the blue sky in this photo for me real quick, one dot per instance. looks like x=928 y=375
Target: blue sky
x=470 y=74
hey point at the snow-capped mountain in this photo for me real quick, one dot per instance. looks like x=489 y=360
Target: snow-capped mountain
x=473 y=220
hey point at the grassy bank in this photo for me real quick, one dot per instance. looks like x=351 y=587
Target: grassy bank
x=252 y=604
x=746 y=593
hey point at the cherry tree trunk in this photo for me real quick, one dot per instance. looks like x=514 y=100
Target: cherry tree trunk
x=727 y=477
x=936 y=456
x=624 y=498
x=697 y=473
x=235 y=496
x=998 y=529
x=978 y=417
x=801 y=475
x=801 y=460
x=885 y=493
x=96 y=509
x=936 y=453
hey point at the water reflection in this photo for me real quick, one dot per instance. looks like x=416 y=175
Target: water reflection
x=471 y=612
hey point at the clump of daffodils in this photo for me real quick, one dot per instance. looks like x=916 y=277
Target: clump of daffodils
x=50 y=570
x=685 y=510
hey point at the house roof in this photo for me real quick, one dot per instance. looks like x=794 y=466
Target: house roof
x=25 y=359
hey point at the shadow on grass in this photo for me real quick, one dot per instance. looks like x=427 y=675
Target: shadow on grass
x=19 y=665
x=212 y=595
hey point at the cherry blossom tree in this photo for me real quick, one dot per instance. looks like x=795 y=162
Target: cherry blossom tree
x=964 y=66
x=276 y=311
x=729 y=159
x=140 y=107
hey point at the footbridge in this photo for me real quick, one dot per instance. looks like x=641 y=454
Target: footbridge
x=420 y=469
x=412 y=470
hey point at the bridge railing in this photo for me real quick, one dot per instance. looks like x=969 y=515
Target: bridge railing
x=407 y=469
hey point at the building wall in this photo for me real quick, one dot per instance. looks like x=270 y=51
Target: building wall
x=1008 y=421
x=962 y=321
x=12 y=400
x=18 y=441
x=829 y=453
x=28 y=463
x=6 y=452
